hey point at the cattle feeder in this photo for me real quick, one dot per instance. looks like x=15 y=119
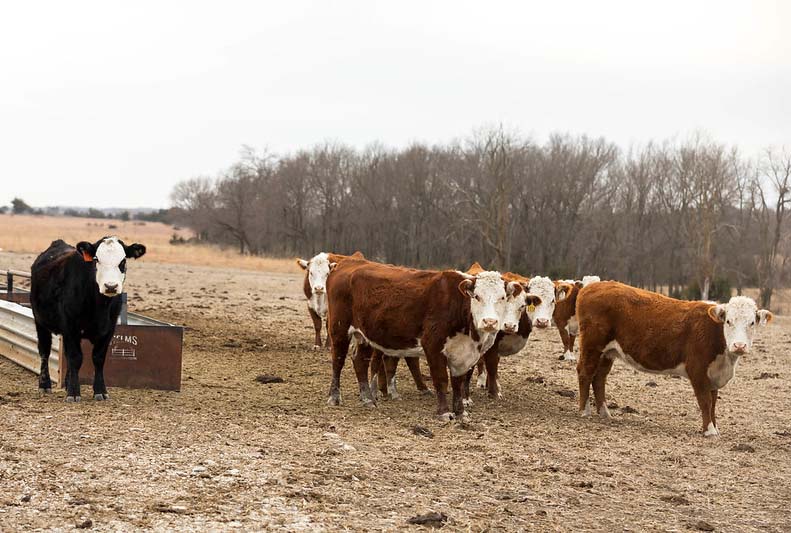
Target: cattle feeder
x=145 y=353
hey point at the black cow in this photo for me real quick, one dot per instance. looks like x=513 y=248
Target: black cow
x=75 y=292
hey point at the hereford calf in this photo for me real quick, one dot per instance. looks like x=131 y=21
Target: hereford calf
x=565 y=316
x=317 y=269
x=451 y=317
x=653 y=333
x=75 y=292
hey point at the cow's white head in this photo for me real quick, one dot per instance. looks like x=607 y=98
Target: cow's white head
x=739 y=318
x=587 y=280
x=550 y=293
x=516 y=302
x=318 y=270
x=110 y=255
x=487 y=299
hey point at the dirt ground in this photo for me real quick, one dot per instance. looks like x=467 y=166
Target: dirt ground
x=227 y=452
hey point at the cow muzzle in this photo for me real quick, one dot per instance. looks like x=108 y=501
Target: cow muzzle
x=510 y=328
x=541 y=323
x=319 y=289
x=739 y=348
x=490 y=324
x=110 y=289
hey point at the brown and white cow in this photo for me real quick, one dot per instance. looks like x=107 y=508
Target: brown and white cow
x=565 y=316
x=653 y=333
x=317 y=269
x=451 y=317
x=544 y=295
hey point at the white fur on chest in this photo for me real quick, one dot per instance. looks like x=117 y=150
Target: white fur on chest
x=722 y=370
x=318 y=302
x=463 y=352
x=573 y=327
x=510 y=344
x=613 y=350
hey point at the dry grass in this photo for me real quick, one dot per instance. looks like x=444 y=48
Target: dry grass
x=32 y=234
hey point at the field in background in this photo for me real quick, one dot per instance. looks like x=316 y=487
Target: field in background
x=32 y=234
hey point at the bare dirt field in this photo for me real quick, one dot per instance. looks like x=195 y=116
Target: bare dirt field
x=227 y=452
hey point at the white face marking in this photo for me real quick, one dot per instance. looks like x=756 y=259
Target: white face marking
x=739 y=317
x=415 y=351
x=463 y=352
x=318 y=271
x=488 y=301
x=109 y=255
x=587 y=280
x=543 y=288
x=613 y=350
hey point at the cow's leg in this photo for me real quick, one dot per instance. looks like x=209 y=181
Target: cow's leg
x=327 y=340
x=362 y=359
x=482 y=375
x=703 y=394
x=568 y=353
x=466 y=400
x=438 y=366
x=391 y=382
x=457 y=382
x=73 y=349
x=377 y=369
x=599 y=383
x=339 y=340
x=492 y=362
x=588 y=364
x=44 y=349
x=99 y=356
x=413 y=363
x=572 y=338
x=714 y=395
x=316 y=327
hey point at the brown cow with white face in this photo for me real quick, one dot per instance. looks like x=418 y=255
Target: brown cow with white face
x=565 y=316
x=700 y=341
x=451 y=317
x=317 y=270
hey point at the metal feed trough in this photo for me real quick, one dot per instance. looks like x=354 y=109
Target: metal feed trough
x=144 y=353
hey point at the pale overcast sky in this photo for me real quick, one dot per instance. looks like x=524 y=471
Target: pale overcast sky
x=111 y=103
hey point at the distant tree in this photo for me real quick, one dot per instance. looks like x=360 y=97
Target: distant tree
x=124 y=216
x=95 y=213
x=3 y=209
x=20 y=207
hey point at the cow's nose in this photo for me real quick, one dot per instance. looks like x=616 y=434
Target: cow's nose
x=490 y=323
x=542 y=323
x=111 y=287
x=318 y=288
x=739 y=347
x=510 y=328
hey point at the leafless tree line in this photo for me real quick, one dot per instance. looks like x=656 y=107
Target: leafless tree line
x=666 y=215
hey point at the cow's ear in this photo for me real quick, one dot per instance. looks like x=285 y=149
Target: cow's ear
x=717 y=313
x=87 y=251
x=513 y=288
x=763 y=317
x=302 y=264
x=358 y=255
x=332 y=266
x=135 y=251
x=533 y=300
x=467 y=287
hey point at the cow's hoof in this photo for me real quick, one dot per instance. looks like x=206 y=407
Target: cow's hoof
x=445 y=417
x=317 y=347
x=495 y=396
x=368 y=402
x=42 y=391
x=465 y=417
x=394 y=396
x=334 y=401
x=101 y=397
x=585 y=413
x=604 y=413
x=712 y=431
x=466 y=402
x=481 y=381
x=569 y=356
x=427 y=392
x=71 y=399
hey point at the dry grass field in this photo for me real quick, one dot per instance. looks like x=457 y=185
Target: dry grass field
x=32 y=234
x=228 y=453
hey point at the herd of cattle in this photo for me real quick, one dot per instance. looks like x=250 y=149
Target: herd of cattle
x=460 y=320
x=456 y=320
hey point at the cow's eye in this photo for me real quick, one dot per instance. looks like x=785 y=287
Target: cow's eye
x=752 y=323
x=728 y=322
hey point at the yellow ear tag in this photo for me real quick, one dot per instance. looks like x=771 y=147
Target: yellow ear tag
x=531 y=308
